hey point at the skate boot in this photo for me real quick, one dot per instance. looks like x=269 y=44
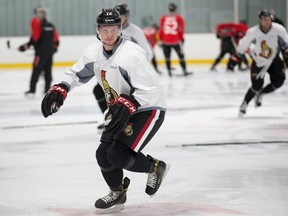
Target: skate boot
x=186 y=73
x=156 y=175
x=115 y=198
x=243 y=109
x=258 y=99
x=29 y=94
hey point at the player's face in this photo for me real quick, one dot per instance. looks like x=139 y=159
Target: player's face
x=40 y=15
x=265 y=23
x=109 y=35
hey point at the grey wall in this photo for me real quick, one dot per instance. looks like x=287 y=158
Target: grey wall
x=77 y=17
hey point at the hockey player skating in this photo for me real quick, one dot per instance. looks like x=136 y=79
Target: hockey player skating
x=136 y=107
x=133 y=33
x=269 y=39
x=171 y=31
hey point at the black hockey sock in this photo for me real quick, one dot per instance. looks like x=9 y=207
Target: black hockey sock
x=168 y=64
x=114 y=177
x=249 y=95
x=183 y=64
x=141 y=163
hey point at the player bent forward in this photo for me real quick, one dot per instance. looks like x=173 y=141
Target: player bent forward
x=136 y=106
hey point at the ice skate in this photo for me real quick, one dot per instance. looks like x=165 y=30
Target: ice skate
x=243 y=109
x=159 y=170
x=29 y=94
x=213 y=69
x=114 y=201
x=258 y=99
x=186 y=73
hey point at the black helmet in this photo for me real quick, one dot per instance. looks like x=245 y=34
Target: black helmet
x=122 y=9
x=264 y=13
x=172 y=7
x=108 y=17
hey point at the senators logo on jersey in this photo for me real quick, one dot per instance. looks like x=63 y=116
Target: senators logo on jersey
x=110 y=93
x=266 y=51
x=128 y=130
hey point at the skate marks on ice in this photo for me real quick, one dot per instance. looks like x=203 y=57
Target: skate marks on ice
x=156 y=209
x=228 y=143
x=48 y=125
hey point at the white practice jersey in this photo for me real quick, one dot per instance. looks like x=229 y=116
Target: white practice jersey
x=135 y=34
x=125 y=71
x=266 y=45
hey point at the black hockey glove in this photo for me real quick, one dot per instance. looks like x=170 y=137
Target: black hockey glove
x=119 y=114
x=23 y=47
x=54 y=99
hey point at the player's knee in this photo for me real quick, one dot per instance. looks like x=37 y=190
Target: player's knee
x=256 y=87
x=120 y=157
x=101 y=158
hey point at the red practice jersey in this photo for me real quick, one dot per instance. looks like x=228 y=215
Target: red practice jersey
x=224 y=30
x=151 y=35
x=240 y=31
x=171 y=29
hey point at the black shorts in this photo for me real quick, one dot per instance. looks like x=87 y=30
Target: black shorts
x=276 y=70
x=140 y=129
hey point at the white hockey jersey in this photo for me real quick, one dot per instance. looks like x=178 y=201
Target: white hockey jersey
x=135 y=34
x=266 y=45
x=125 y=71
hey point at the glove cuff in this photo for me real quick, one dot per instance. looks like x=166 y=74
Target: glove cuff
x=129 y=102
x=61 y=88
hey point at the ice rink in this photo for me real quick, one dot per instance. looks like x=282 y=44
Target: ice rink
x=48 y=166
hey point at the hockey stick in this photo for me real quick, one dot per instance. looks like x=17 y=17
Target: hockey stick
x=228 y=143
x=48 y=125
x=8 y=44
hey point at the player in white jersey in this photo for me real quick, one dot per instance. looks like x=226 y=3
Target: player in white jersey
x=269 y=39
x=133 y=33
x=136 y=107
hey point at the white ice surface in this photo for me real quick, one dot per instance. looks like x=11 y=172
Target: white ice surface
x=50 y=170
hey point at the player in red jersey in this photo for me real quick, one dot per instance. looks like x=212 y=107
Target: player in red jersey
x=45 y=40
x=171 y=30
x=225 y=32
x=152 y=36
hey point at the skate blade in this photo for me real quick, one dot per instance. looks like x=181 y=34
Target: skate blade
x=111 y=210
x=164 y=175
x=241 y=115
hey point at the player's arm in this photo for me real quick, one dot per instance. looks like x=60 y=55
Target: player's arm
x=81 y=72
x=55 y=40
x=181 y=28
x=35 y=27
x=283 y=44
x=161 y=27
